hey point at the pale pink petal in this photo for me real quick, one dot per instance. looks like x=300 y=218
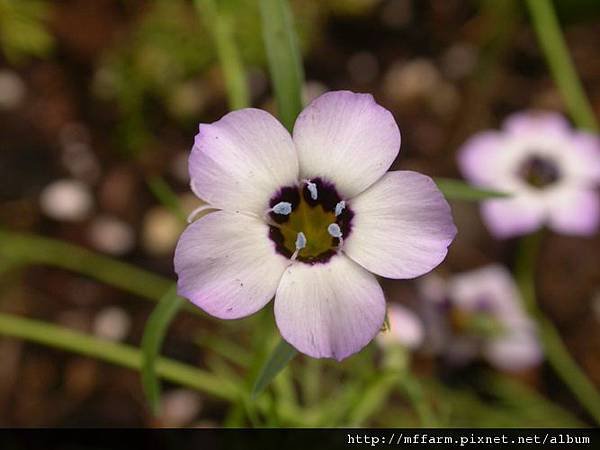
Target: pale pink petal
x=519 y=349
x=329 y=310
x=494 y=286
x=402 y=226
x=240 y=161
x=537 y=124
x=513 y=216
x=346 y=138
x=583 y=157
x=227 y=265
x=478 y=157
x=574 y=211
x=405 y=328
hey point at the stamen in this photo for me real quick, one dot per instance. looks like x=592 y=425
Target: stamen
x=283 y=208
x=312 y=188
x=300 y=244
x=339 y=207
x=335 y=231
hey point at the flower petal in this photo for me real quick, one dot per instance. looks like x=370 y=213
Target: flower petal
x=239 y=162
x=478 y=156
x=402 y=226
x=227 y=265
x=583 y=157
x=346 y=138
x=537 y=123
x=513 y=216
x=329 y=310
x=491 y=287
x=519 y=349
x=406 y=328
x=574 y=211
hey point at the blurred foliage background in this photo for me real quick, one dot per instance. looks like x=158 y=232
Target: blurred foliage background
x=98 y=99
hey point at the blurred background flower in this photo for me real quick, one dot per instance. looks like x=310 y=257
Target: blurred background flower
x=98 y=104
x=550 y=171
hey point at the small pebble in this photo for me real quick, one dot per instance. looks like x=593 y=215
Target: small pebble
x=66 y=200
x=12 y=89
x=112 y=323
x=111 y=235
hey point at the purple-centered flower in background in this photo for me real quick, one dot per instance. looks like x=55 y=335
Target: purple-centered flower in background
x=308 y=218
x=479 y=313
x=549 y=169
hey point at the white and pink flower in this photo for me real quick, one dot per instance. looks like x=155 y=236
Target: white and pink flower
x=308 y=218
x=550 y=170
x=479 y=313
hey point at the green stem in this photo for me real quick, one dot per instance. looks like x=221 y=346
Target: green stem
x=30 y=249
x=221 y=29
x=557 y=353
x=22 y=248
x=279 y=358
x=123 y=355
x=154 y=334
x=414 y=391
x=285 y=64
x=557 y=55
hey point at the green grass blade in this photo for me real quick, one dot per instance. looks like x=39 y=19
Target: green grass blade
x=221 y=28
x=279 y=358
x=459 y=190
x=23 y=248
x=154 y=334
x=557 y=55
x=124 y=355
x=285 y=64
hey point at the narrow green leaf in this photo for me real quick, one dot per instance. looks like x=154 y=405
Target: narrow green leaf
x=555 y=49
x=154 y=334
x=55 y=336
x=221 y=28
x=279 y=358
x=459 y=190
x=285 y=64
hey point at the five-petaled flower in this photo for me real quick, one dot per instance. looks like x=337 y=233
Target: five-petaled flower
x=308 y=218
x=549 y=169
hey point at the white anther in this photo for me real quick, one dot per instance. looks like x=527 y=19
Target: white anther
x=335 y=231
x=300 y=244
x=283 y=208
x=340 y=207
x=312 y=188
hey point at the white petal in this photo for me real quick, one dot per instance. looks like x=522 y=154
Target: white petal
x=347 y=139
x=239 y=162
x=227 y=265
x=516 y=351
x=581 y=157
x=493 y=285
x=514 y=216
x=329 y=310
x=402 y=226
x=406 y=328
x=537 y=124
x=574 y=211
x=478 y=158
